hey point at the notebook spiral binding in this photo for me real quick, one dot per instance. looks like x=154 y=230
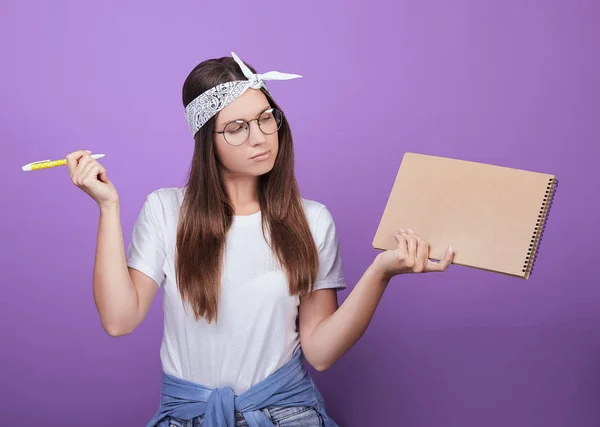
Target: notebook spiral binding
x=540 y=226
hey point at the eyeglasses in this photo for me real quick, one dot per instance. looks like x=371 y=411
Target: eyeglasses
x=238 y=131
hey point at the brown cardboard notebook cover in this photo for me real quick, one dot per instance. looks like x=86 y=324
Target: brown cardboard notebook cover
x=492 y=216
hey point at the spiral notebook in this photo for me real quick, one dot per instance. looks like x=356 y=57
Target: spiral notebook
x=492 y=216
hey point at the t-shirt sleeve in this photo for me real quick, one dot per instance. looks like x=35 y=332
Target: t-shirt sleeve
x=146 y=252
x=331 y=274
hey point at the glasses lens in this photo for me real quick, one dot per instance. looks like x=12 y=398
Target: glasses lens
x=270 y=121
x=236 y=132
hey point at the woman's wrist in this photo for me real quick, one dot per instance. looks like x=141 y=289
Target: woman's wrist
x=107 y=207
x=378 y=274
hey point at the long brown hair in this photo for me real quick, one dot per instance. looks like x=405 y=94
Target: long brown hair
x=207 y=213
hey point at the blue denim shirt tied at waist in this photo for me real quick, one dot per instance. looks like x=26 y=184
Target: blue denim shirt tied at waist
x=290 y=385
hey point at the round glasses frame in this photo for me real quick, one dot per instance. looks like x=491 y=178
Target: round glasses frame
x=277 y=115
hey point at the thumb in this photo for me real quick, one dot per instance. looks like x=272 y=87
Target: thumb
x=443 y=263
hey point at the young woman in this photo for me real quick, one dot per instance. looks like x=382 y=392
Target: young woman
x=249 y=269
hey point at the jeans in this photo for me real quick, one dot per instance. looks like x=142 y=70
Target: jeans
x=295 y=416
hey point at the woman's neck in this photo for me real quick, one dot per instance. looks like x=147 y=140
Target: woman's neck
x=243 y=194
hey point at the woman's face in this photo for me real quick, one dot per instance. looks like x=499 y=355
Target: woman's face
x=246 y=158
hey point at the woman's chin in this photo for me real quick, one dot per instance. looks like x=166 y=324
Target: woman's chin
x=262 y=168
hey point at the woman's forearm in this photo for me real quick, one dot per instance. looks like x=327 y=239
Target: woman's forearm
x=339 y=332
x=114 y=291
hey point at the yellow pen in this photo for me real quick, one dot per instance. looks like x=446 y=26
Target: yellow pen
x=45 y=164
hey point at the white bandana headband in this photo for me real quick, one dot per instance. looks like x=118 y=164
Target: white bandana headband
x=209 y=103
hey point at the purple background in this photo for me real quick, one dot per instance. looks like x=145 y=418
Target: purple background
x=513 y=83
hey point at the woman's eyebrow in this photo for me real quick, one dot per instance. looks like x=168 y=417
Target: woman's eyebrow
x=263 y=109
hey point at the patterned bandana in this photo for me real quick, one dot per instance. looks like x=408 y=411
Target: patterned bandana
x=209 y=103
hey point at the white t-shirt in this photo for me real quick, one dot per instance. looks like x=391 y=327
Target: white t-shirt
x=256 y=330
